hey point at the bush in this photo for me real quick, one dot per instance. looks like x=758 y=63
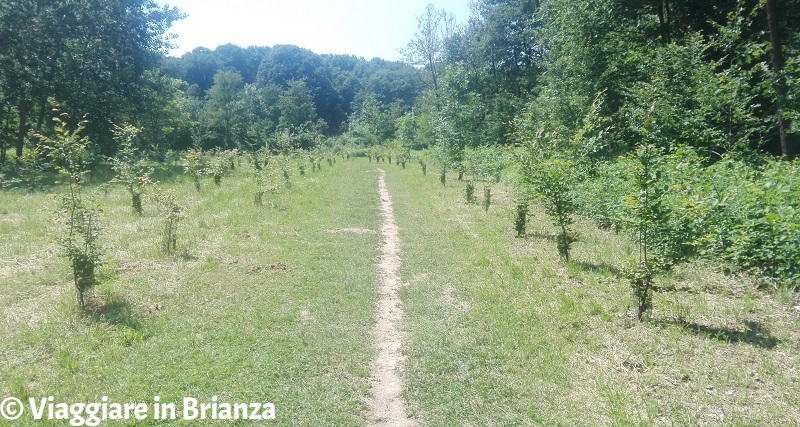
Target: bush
x=194 y=164
x=172 y=213
x=553 y=180
x=129 y=166
x=762 y=217
x=646 y=216
x=741 y=211
x=68 y=153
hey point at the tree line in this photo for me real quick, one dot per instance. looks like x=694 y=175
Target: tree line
x=108 y=61
x=721 y=75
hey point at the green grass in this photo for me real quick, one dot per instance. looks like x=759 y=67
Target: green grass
x=261 y=304
x=272 y=304
x=504 y=333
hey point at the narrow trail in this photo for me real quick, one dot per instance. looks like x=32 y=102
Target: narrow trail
x=386 y=405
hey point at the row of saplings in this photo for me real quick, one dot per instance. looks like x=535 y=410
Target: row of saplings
x=67 y=154
x=549 y=179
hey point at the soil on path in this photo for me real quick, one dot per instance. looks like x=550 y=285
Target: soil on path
x=386 y=405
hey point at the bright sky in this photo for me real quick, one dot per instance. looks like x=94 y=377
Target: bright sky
x=366 y=28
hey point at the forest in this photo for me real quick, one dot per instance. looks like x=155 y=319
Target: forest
x=671 y=120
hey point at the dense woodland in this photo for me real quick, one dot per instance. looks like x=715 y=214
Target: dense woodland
x=674 y=120
x=720 y=75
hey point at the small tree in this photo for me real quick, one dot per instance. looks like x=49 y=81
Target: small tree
x=440 y=157
x=550 y=176
x=484 y=164
x=422 y=157
x=194 y=165
x=172 y=212
x=217 y=166
x=647 y=214
x=283 y=163
x=232 y=156
x=129 y=167
x=69 y=155
x=267 y=180
x=551 y=162
x=520 y=218
x=469 y=192
x=375 y=152
x=446 y=151
x=523 y=193
x=554 y=179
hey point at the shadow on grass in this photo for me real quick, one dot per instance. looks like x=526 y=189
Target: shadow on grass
x=754 y=334
x=186 y=256
x=167 y=172
x=673 y=288
x=537 y=235
x=596 y=268
x=553 y=237
x=114 y=311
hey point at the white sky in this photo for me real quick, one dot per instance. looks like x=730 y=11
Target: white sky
x=366 y=28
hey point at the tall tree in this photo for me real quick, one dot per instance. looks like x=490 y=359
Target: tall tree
x=285 y=63
x=776 y=55
x=296 y=105
x=224 y=105
x=87 y=56
x=201 y=65
x=161 y=118
x=427 y=48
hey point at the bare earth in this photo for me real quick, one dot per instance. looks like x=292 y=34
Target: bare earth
x=386 y=405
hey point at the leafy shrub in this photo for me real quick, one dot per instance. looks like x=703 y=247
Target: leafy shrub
x=172 y=213
x=129 y=166
x=469 y=191
x=68 y=152
x=194 y=164
x=646 y=216
x=741 y=211
x=600 y=195
x=762 y=220
x=553 y=180
x=268 y=180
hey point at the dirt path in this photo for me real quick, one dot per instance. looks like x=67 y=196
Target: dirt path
x=386 y=405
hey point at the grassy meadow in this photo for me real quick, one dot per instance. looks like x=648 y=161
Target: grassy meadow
x=275 y=303
x=504 y=333
x=264 y=304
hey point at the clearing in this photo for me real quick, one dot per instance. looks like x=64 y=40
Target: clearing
x=278 y=303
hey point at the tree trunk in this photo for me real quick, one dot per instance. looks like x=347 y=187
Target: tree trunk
x=662 y=10
x=777 y=67
x=6 y=131
x=23 y=128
